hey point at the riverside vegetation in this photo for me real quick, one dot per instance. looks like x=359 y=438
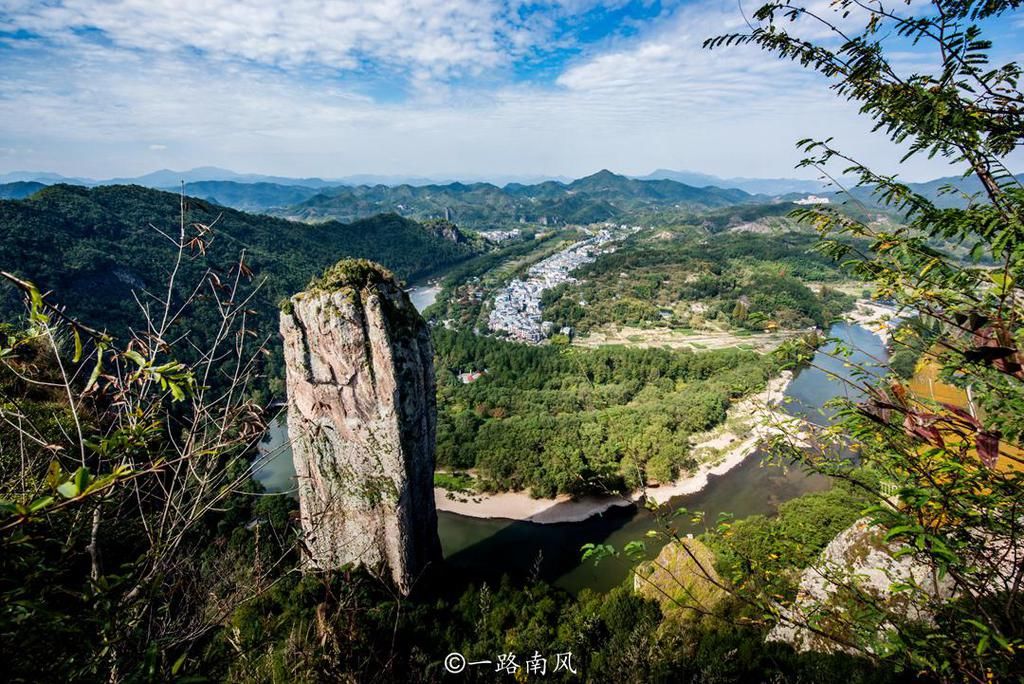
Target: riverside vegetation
x=135 y=546
x=576 y=421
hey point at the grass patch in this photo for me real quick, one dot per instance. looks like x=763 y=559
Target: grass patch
x=455 y=482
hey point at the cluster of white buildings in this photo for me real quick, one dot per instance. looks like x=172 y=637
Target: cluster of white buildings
x=517 y=307
x=812 y=199
x=502 y=235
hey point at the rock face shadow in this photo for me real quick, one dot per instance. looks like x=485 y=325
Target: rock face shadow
x=526 y=550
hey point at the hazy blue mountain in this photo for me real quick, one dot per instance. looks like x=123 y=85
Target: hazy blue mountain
x=45 y=177
x=419 y=181
x=19 y=189
x=934 y=190
x=165 y=178
x=256 y=197
x=754 y=186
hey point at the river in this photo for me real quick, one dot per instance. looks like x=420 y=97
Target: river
x=488 y=548
x=423 y=295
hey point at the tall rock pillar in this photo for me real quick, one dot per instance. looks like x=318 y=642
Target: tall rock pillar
x=361 y=417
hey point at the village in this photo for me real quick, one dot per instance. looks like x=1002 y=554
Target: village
x=517 y=310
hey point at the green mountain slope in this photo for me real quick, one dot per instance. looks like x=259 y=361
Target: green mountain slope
x=600 y=197
x=94 y=247
x=20 y=189
x=256 y=197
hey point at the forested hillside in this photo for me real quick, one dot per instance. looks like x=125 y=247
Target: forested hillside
x=93 y=247
x=676 y=279
x=581 y=421
x=19 y=189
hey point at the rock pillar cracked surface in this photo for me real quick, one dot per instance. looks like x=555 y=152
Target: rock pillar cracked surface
x=361 y=418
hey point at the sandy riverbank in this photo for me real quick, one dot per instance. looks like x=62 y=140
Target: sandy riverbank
x=874 y=317
x=748 y=423
x=521 y=506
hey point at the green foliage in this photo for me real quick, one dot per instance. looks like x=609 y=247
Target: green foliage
x=946 y=480
x=94 y=247
x=556 y=419
x=455 y=482
x=768 y=548
x=123 y=496
x=345 y=627
x=350 y=273
x=913 y=339
x=750 y=279
x=903 y=362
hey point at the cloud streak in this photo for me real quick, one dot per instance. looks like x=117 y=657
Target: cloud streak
x=89 y=86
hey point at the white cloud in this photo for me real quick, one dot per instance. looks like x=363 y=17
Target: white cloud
x=156 y=147
x=433 y=37
x=659 y=100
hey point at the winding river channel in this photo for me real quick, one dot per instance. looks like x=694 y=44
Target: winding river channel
x=489 y=548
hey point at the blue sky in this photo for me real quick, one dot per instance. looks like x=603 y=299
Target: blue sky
x=452 y=88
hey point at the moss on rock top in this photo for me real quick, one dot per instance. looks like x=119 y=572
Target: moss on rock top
x=353 y=278
x=351 y=273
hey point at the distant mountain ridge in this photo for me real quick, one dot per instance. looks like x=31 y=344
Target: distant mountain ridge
x=602 y=196
x=258 y=197
x=934 y=190
x=755 y=186
x=598 y=197
x=167 y=178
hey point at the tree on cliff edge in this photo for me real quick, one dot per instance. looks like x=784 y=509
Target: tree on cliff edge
x=945 y=480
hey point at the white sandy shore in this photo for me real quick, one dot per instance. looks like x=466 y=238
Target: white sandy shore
x=521 y=506
x=748 y=423
x=874 y=317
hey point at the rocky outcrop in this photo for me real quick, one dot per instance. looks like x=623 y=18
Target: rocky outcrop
x=446 y=230
x=857 y=567
x=682 y=579
x=361 y=418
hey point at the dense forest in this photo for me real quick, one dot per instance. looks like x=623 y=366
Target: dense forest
x=96 y=247
x=685 y=280
x=576 y=421
x=602 y=196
